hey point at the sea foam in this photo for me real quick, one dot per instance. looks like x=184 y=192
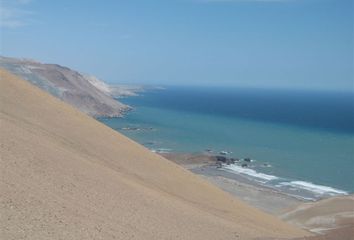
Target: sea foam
x=319 y=189
x=250 y=172
x=161 y=150
x=296 y=188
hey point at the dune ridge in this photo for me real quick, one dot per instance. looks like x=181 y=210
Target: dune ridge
x=67 y=176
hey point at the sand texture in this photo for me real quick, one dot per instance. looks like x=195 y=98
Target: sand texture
x=324 y=215
x=64 y=175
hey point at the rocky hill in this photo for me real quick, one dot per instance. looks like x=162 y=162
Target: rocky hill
x=86 y=93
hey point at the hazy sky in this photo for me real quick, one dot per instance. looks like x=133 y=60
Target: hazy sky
x=257 y=43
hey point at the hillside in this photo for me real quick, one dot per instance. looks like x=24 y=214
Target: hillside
x=86 y=93
x=325 y=215
x=67 y=176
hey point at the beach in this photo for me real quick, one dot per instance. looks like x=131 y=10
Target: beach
x=327 y=217
x=266 y=199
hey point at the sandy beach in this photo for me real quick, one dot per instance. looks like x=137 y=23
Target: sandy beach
x=326 y=218
x=266 y=199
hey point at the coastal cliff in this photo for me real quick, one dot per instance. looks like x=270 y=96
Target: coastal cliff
x=87 y=93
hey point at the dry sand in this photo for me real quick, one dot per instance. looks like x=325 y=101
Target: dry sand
x=64 y=175
x=345 y=233
x=324 y=215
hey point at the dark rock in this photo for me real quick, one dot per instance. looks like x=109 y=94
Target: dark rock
x=244 y=165
x=221 y=158
x=233 y=160
x=247 y=160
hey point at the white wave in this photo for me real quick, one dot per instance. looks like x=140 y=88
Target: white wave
x=161 y=150
x=319 y=189
x=250 y=172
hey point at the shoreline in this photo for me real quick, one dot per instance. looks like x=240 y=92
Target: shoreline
x=288 y=160
x=324 y=217
x=262 y=197
x=247 y=171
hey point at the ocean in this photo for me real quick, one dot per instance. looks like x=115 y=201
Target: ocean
x=300 y=142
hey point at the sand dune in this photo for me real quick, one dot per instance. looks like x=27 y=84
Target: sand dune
x=324 y=215
x=67 y=176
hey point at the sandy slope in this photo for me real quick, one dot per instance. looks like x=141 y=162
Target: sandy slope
x=324 y=215
x=66 y=176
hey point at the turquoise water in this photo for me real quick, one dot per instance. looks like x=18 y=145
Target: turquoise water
x=304 y=153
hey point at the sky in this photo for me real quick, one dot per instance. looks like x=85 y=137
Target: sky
x=297 y=44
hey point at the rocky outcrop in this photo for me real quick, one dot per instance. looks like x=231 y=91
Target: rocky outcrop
x=86 y=93
x=247 y=160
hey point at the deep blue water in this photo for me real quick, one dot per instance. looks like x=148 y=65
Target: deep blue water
x=306 y=137
x=321 y=110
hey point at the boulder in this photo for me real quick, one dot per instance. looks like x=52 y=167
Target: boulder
x=247 y=159
x=221 y=159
